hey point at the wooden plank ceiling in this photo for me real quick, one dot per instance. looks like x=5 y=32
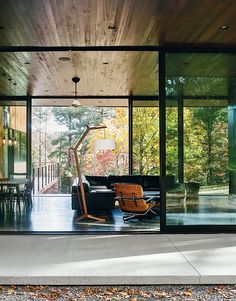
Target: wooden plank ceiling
x=100 y=73
x=205 y=74
x=104 y=23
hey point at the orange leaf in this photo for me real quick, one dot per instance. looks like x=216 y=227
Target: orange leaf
x=187 y=293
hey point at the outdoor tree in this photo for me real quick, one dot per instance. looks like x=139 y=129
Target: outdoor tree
x=172 y=140
x=146 y=140
x=40 y=117
x=213 y=121
x=111 y=161
x=74 y=120
x=193 y=148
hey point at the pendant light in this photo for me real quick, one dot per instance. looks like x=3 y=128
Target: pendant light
x=14 y=138
x=104 y=144
x=4 y=91
x=76 y=102
x=10 y=139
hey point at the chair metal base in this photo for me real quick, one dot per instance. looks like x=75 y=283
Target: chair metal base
x=127 y=217
x=138 y=215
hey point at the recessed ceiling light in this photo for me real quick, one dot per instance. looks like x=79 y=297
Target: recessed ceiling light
x=64 y=59
x=76 y=103
x=224 y=27
x=112 y=26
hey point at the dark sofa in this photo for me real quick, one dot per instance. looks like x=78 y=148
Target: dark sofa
x=100 y=195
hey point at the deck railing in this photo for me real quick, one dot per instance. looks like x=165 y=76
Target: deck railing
x=45 y=176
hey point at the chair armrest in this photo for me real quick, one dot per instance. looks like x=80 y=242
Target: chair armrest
x=146 y=198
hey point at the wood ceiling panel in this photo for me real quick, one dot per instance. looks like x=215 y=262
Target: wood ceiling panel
x=101 y=73
x=201 y=64
x=104 y=23
x=84 y=102
x=73 y=22
x=136 y=22
x=204 y=73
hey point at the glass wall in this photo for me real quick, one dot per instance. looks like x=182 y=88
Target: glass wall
x=201 y=138
x=57 y=129
x=145 y=116
x=13 y=132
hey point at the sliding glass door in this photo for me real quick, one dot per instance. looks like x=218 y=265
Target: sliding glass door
x=200 y=139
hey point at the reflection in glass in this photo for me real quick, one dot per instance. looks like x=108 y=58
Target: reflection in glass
x=13 y=146
x=201 y=93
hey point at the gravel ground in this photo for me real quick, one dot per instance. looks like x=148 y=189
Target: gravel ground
x=108 y=293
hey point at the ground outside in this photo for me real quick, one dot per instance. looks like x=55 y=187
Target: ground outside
x=109 y=293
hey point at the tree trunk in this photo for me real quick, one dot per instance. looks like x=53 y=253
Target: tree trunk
x=209 y=159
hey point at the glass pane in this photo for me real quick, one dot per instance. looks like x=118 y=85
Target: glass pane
x=201 y=138
x=13 y=133
x=57 y=129
x=146 y=138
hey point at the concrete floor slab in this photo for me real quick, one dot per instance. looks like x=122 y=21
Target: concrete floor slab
x=109 y=259
x=212 y=255
x=118 y=259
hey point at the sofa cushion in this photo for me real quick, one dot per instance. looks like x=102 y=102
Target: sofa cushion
x=97 y=181
x=150 y=182
x=95 y=201
x=132 y=179
x=86 y=184
x=114 y=179
x=99 y=188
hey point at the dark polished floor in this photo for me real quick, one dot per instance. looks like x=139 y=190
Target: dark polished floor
x=54 y=214
x=203 y=210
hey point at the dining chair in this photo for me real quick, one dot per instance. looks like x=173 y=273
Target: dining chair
x=26 y=193
x=6 y=197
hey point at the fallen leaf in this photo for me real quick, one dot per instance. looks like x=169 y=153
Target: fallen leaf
x=10 y=291
x=187 y=293
x=226 y=296
x=161 y=295
x=144 y=294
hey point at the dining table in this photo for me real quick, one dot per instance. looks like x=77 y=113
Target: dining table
x=14 y=183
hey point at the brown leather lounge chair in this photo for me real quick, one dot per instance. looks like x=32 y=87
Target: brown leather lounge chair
x=132 y=201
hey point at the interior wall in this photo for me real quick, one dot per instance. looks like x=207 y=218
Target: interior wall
x=1 y=142
x=18 y=118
